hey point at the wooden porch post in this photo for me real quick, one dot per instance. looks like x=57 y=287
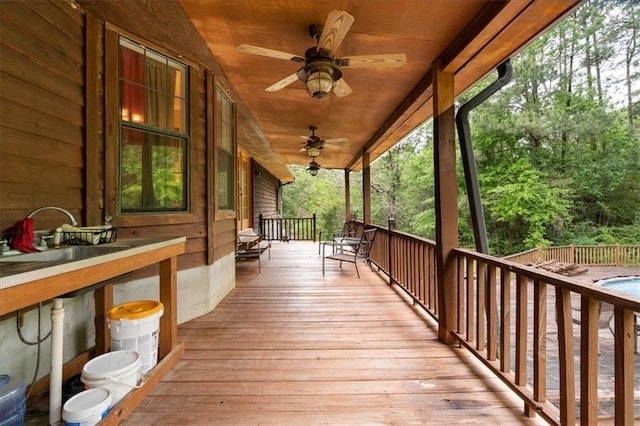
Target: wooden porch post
x=366 y=188
x=446 y=200
x=347 y=195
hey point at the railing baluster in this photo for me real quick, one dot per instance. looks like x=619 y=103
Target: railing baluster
x=539 y=341
x=492 y=315
x=481 y=275
x=418 y=266
x=521 y=330
x=520 y=376
x=505 y=324
x=589 y=313
x=471 y=291
x=416 y=270
x=405 y=266
x=566 y=356
x=295 y=229
x=462 y=287
x=624 y=333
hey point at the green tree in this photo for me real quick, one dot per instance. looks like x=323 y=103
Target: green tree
x=521 y=207
x=322 y=195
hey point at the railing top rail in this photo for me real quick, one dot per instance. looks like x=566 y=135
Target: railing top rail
x=522 y=253
x=591 y=290
x=574 y=247
x=404 y=235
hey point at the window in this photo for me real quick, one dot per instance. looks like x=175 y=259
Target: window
x=226 y=154
x=154 y=139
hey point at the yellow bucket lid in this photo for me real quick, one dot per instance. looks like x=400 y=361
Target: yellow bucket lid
x=135 y=310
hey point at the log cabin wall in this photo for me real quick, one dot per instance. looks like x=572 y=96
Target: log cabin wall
x=42 y=152
x=41 y=112
x=53 y=146
x=166 y=27
x=265 y=193
x=56 y=147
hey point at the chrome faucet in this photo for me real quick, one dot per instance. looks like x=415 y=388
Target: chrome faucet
x=55 y=234
x=72 y=220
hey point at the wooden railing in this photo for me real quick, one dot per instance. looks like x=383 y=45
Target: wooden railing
x=288 y=228
x=409 y=261
x=601 y=255
x=507 y=314
x=488 y=286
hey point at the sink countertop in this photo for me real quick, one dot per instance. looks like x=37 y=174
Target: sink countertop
x=17 y=273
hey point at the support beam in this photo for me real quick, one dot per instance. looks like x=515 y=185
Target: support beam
x=366 y=188
x=347 y=195
x=446 y=200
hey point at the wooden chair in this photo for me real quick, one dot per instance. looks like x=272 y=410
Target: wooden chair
x=350 y=252
x=250 y=245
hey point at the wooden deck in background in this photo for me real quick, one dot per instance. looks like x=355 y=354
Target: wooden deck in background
x=291 y=347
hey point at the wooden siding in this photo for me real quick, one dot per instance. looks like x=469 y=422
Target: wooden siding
x=59 y=118
x=207 y=240
x=224 y=234
x=265 y=194
x=41 y=111
x=94 y=122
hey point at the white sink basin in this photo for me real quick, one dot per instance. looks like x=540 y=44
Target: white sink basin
x=64 y=254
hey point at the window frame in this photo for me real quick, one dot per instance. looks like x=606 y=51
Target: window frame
x=222 y=213
x=113 y=130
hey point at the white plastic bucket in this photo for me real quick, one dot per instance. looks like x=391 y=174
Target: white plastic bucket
x=87 y=408
x=116 y=371
x=136 y=326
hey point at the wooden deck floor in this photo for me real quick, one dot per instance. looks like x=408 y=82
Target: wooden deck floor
x=291 y=347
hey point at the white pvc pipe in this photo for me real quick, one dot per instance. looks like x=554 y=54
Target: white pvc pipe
x=55 y=384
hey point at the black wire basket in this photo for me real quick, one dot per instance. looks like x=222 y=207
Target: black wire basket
x=90 y=237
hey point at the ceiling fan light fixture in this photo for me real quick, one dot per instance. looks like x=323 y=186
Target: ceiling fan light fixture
x=320 y=83
x=313 y=168
x=319 y=78
x=313 y=151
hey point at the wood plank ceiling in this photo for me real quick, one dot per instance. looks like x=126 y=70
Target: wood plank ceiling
x=471 y=36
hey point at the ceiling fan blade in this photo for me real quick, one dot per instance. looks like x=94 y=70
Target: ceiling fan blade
x=335 y=28
x=361 y=61
x=332 y=147
x=255 y=50
x=341 y=88
x=336 y=140
x=282 y=83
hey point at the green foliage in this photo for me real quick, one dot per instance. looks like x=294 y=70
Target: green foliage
x=521 y=207
x=588 y=234
x=163 y=180
x=322 y=195
x=403 y=185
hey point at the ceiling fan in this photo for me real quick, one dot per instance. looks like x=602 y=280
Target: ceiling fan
x=313 y=168
x=314 y=144
x=322 y=72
